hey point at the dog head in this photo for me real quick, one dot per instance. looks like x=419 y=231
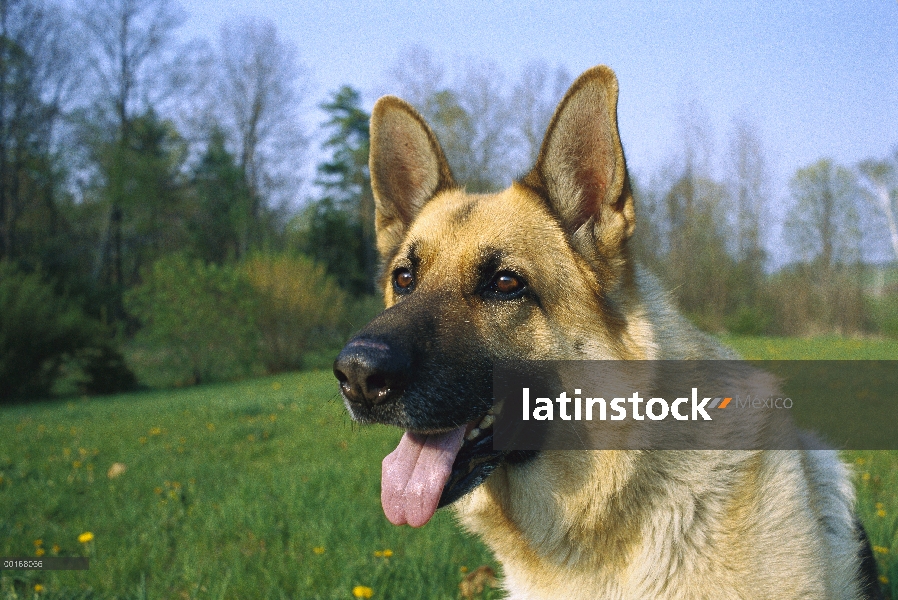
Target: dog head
x=532 y=272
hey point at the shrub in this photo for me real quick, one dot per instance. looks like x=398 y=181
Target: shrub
x=104 y=370
x=749 y=320
x=41 y=330
x=884 y=313
x=199 y=319
x=300 y=307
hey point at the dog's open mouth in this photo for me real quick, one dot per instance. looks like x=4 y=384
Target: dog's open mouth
x=429 y=470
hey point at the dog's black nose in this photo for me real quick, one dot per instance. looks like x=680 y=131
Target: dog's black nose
x=371 y=371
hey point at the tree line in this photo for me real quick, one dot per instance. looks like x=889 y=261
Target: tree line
x=152 y=228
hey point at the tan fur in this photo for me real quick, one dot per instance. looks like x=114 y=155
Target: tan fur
x=606 y=524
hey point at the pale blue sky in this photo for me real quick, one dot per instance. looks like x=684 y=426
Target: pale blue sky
x=819 y=79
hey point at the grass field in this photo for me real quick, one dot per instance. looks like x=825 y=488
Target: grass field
x=265 y=489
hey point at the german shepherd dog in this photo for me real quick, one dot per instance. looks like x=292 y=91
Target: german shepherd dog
x=542 y=270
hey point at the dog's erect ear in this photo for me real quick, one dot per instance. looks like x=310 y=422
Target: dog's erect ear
x=407 y=166
x=581 y=169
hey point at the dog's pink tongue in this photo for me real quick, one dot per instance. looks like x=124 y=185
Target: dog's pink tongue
x=413 y=475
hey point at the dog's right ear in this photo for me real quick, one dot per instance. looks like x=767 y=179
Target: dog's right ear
x=581 y=169
x=407 y=167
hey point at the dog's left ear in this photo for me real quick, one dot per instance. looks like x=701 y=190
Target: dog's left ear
x=581 y=169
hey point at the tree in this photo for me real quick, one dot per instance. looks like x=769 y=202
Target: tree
x=488 y=163
x=688 y=212
x=823 y=230
x=534 y=99
x=698 y=263
x=37 y=78
x=749 y=190
x=127 y=40
x=257 y=93
x=822 y=225
x=346 y=181
x=455 y=128
x=332 y=237
x=470 y=117
x=218 y=224
x=143 y=176
x=880 y=186
x=417 y=75
x=748 y=183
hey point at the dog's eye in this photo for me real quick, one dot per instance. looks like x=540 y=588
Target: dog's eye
x=507 y=285
x=403 y=281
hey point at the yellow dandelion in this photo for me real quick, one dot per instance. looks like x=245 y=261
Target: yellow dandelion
x=361 y=591
x=155 y=431
x=880 y=549
x=38 y=588
x=860 y=461
x=883 y=580
x=38 y=542
x=142 y=440
x=378 y=553
x=318 y=549
x=463 y=569
x=40 y=552
x=880 y=506
x=210 y=426
x=85 y=537
x=76 y=464
x=865 y=477
x=56 y=548
x=881 y=512
x=388 y=553
x=276 y=385
x=66 y=452
x=251 y=438
x=272 y=418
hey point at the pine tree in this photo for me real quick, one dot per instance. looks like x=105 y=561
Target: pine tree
x=341 y=223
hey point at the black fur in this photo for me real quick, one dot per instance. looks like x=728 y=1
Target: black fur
x=868 y=576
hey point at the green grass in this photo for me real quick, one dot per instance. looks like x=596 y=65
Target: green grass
x=228 y=491
x=820 y=348
x=264 y=489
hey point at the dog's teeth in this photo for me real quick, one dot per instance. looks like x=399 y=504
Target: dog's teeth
x=472 y=434
x=487 y=421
